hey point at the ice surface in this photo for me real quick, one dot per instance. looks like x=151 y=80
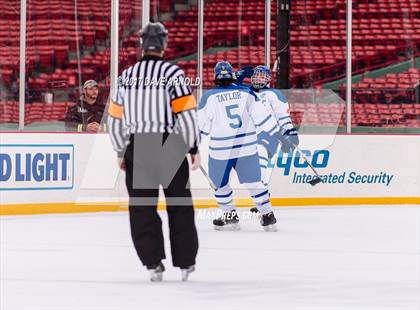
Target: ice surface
x=321 y=258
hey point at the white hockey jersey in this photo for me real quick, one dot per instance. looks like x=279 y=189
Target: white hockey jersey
x=277 y=103
x=232 y=116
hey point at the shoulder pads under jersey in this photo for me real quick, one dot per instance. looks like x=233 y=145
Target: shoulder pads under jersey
x=277 y=92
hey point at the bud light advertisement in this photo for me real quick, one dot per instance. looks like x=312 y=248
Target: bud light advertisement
x=36 y=166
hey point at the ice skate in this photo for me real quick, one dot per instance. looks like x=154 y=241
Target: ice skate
x=186 y=272
x=254 y=210
x=156 y=272
x=227 y=221
x=268 y=222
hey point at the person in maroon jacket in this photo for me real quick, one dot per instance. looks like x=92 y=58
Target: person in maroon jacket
x=88 y=114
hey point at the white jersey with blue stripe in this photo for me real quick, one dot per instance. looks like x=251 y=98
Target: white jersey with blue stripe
x=232 y=116
x=277 y=103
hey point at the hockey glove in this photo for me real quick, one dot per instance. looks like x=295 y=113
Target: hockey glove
x=289 y=142
x=245 y=72
x=269 y=142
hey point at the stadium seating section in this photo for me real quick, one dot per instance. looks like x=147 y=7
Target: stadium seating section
x=304 y=113
x=392 y=88
x=385 y=32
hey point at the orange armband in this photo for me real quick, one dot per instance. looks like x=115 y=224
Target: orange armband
x=183 y=103
x=115 y=110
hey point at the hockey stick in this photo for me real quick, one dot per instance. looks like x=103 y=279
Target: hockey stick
x=317 y=178
x=213 y=186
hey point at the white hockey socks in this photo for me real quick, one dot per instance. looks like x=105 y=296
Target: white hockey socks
x=224 y=198
x=261 y=196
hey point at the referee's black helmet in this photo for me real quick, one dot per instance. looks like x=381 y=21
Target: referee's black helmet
x=154 y=37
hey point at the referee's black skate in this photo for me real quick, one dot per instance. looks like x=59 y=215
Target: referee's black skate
x=254 y=210
x=156 y=272
x=227 y=221
x=268 y=222
x=185 y=272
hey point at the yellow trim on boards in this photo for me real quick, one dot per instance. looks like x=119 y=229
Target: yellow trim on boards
x=70 y=207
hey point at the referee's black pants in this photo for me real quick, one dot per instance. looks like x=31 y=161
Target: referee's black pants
x=159 y=159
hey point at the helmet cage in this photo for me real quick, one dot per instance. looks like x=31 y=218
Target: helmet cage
x=260 y=79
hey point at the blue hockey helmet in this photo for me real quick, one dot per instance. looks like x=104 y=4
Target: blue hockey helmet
x=261 y=77
x=223 y=71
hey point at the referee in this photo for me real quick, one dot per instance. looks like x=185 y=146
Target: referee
x=152 y=123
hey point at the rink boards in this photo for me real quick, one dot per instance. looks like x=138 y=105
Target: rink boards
x=59 y=172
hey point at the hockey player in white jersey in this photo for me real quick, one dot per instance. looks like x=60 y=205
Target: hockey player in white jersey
x=232 y=117
x=277 y=104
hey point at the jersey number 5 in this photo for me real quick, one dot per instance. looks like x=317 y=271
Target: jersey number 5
x=233 y=116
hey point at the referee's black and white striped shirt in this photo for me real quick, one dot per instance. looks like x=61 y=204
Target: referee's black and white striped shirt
x=152 y=96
